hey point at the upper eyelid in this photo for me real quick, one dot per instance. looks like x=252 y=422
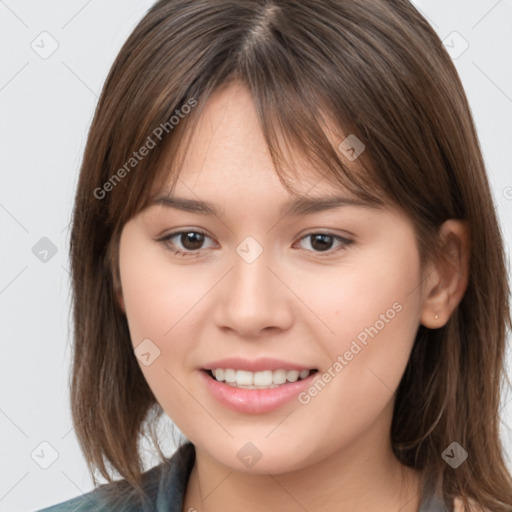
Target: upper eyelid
x=327 y=232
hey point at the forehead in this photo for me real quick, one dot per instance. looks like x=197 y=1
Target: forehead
x=228 y=154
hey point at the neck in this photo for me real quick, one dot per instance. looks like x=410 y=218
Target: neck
x=361 y=477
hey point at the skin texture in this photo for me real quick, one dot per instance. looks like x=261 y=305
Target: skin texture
x=294 y=302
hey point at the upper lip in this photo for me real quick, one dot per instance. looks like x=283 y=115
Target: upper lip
x=255 y=365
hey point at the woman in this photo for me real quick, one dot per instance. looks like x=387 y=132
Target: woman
x=284 y=239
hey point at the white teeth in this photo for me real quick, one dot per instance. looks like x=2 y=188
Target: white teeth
x=244 y=378
x=263 y=378
x=292 y=375
x=229 y=375
x=303 y=374
x=279 y=376
x=258 y=380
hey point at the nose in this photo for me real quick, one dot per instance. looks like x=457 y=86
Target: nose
x=253 y=300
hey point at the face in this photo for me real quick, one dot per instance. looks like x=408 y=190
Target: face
x=311 y=314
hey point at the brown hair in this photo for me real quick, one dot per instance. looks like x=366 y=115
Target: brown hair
x=373 y=69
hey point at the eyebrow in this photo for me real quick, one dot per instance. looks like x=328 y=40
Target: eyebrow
x=294 y=207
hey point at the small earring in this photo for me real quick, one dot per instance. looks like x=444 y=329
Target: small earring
x=437 y=316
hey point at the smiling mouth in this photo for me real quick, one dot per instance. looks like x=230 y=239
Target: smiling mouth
x=266 y=379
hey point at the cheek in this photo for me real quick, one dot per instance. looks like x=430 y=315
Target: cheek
x=163 y=302
x=377 y=299
x=374 y=312
x=159 y=303
x=158 y=295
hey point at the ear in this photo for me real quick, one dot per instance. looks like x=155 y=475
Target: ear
x=447 y=279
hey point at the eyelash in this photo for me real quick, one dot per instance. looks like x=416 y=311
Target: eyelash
x=166 y=241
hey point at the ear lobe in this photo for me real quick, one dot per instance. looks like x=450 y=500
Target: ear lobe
x=448 y=279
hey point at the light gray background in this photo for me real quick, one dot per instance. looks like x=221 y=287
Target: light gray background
x=47 y=103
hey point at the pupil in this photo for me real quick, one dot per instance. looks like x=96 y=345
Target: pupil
x=324 y=245
x=192 y=241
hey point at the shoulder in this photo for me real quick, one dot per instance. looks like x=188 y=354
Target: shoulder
x=165 y=484
x=85 y=503
x=109 y=497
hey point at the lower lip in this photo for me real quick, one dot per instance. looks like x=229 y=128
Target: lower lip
x=255 y=401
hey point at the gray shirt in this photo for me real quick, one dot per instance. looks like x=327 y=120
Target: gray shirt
x=165 y=486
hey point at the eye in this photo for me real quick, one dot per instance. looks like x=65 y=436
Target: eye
x=323 y=242
x=190 y=240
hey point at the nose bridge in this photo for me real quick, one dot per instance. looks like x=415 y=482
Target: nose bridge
x=252 y=297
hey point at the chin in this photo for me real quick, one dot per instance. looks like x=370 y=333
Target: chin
x=262 y=456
